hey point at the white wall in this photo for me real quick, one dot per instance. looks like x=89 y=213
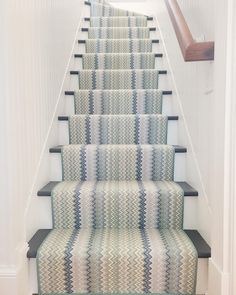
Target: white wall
x=200 y=16
x=36 y=41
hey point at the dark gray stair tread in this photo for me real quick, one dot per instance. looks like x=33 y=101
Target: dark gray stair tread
x=36 y=241
x=83 y=41
x=203 y=249
x=66 y=118
x=86 y=29
x=165 y=92
x=80 y=55
x=189 y=191
x=46 y=191
x=88 y=18
x=178 y=149
x=160 y=72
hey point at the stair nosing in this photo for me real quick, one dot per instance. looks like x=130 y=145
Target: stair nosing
x=46 y=191
x=151 y=29
x=149 y=18
x=66 y=118
x=164 y=92
x=57 y=149
x=83 y=41
x=203 y=249
x=159 y=72
x=80 y=55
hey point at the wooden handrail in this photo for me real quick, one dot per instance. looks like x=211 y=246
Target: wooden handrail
x=191 y=50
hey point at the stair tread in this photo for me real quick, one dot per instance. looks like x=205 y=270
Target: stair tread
x=66 y=118
x=46 y=191
x=81 y=55
x=83 y=41
x=111 y=28
x=160 y=72
x=164 y=92
x=150 y=18
x=203 y=249
x=178 y=149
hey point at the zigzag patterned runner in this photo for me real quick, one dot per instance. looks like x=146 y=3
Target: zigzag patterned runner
x=125 y=21
x=117 y=260
x=119 y=33
x=118 y=162
x=97 y=9
x=142 y=204
x=118 y=215
x=116 y=79
x=118 y=101
x=118 y=45
x=133 y=129
x=118 y=61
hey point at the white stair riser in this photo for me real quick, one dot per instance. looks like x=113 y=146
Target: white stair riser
x=69 y=103
x=202 y=276
x=172 y=135
x=84 y=35
x=43 y=209
x=160 y=63
x=180 y=159
x=156 y=47
x=164 y=81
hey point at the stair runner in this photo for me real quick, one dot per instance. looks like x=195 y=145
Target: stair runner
x=117 y=214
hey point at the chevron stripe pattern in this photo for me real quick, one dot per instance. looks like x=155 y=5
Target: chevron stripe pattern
x=134 y=129
x=118 y=162
x=118 y=33
x=116 y=79
x=119 y=61
x=117 y=260
x=118 y=45
x=98 y=9
x=117 y=214
x=118 y=101
x=142 y=204
x=125 y=21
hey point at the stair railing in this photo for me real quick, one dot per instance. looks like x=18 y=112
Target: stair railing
x=191 y=50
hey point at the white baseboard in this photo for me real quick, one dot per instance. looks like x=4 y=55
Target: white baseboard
x=8 y=280
x=218 y=280
x=14 y=278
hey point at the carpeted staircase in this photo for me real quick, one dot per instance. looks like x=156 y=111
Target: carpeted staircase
x=117 y=214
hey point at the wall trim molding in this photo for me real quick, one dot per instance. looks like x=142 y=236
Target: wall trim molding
x=8 y=271
x=8 y=279
x=14 y=278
